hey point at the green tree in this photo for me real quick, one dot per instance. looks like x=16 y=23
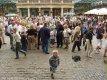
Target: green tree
x=8 y=6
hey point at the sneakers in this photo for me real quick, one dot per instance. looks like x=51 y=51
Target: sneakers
x=17 y=58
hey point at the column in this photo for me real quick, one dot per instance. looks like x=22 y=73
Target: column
x=62 y=11
x=28 y=12
x=17 y=1
x=61 y=1
x=27 y=1
x=38 y=1
x=39 y=11
x=18 y=11
x=51 y=12
x=51 y=1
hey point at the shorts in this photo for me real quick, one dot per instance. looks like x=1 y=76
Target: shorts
x=99 y=42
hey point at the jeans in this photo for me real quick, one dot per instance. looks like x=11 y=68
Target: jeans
x=45 y=44
x=53 y=69
x=24 y=44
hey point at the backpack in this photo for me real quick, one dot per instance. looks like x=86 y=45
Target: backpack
x=76 y=58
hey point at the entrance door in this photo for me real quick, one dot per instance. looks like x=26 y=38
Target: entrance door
x=46 y=13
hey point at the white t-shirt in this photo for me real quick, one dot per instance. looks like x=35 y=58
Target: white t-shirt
x=52 y=35
x=10 y=28
x=66 y=32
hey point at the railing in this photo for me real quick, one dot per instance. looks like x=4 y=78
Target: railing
x=56 y=1
x=67 y=1
x=33 y=1
x=45 y=1
x=22 y=1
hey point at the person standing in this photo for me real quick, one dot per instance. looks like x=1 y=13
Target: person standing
x=45 y=36
x=105 y=51
x=59 y=35
x=31 y=34
x=67 y=33
x=76 y=38
x=52 y=38
x=1 y=33
x=89 y=38
x=99 y=36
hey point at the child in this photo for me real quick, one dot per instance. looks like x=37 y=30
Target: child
x=54 y=62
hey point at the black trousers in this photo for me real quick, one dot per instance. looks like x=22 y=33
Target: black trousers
x=18 y=47
x=59 y=38
x=76 y=43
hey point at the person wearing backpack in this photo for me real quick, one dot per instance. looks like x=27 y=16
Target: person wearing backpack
x=99 y=36
x=89 y=38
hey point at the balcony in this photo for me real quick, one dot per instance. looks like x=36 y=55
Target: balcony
x=67 y=1
x=45 y=1
x=22 y=1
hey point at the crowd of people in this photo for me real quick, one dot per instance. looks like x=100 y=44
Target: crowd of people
x=31 y=33
x=46 y=31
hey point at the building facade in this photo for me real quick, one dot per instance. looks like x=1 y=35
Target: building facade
x=44 y=7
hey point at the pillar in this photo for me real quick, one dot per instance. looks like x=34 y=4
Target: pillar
x=61 y=1
x=51 y=1
x=27 y=1
x=51 y=12
x=39 y=1
x=28 y=12
x=62 y=11
x=19 y=12
x=39 y=11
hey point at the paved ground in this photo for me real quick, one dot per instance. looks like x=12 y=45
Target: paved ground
x=35 y=66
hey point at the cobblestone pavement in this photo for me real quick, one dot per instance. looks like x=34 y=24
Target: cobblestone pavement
x=35 y=66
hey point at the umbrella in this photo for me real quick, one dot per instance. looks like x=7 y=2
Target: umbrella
x=11 y=15
x=93 y=11
x=102 y=11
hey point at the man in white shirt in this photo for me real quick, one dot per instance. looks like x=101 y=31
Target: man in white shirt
x=17 y=39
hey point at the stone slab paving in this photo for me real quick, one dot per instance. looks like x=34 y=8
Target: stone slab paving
x=35 y=66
